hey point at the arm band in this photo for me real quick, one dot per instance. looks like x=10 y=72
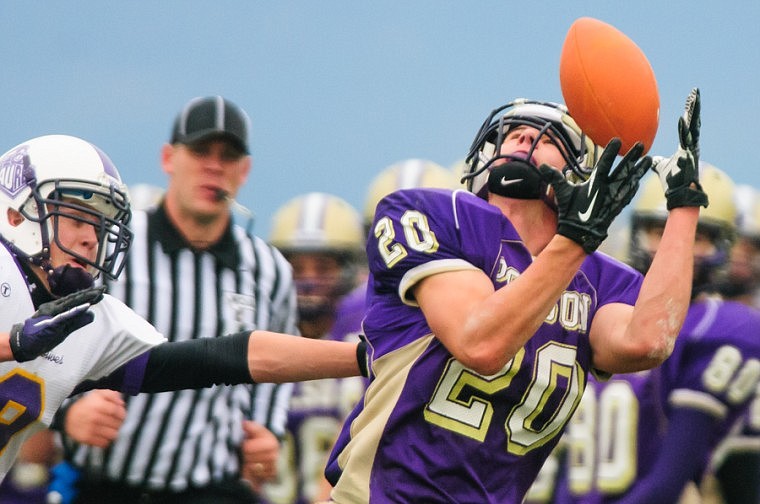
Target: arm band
x=198 y=363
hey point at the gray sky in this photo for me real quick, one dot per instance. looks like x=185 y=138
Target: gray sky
x=338 y=90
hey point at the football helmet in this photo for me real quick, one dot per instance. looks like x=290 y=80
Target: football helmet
x=743 y=275
x=50 y=176
x=320 y=224
x=145 y=196
x=717 y=222
x=406 y=174
x=551 y=119
x=748 y=212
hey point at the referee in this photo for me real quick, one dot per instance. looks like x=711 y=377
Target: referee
x=192 y=273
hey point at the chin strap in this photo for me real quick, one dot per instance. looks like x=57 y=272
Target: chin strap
x=516 y=179
x=65 y=280
x=520 y=180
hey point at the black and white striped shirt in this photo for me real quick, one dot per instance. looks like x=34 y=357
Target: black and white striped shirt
x=190 y=438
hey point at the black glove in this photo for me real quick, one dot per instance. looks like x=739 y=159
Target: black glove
x=679 y=174
x=587 y=209
x=52 y=323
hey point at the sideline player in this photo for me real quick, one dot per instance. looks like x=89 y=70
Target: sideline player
x=322 y=237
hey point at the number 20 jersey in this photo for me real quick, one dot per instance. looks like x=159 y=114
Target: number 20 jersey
x=429 y=429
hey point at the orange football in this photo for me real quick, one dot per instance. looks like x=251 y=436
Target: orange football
x=608 y=85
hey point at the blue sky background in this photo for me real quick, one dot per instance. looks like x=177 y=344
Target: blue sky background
x=338 y=90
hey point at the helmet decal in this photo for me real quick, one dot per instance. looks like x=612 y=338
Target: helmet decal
x=15 y=171
x=108 y=166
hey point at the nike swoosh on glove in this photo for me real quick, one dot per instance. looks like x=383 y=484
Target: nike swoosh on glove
x=586 y=210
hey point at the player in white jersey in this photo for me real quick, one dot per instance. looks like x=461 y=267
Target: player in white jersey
x=63 y=221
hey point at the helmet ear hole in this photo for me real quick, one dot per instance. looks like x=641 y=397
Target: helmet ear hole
x=14 y=217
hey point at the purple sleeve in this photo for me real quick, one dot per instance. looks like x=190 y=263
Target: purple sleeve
x=128 y=378
x=684 y=447
x=620 y=282
x=416 y=227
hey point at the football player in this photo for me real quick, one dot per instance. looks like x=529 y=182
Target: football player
x=742 y=281
x=487 y=309
x=64 y=212
x=322 y=237
x=737 y=460
x=405 y=174
x=643 y=437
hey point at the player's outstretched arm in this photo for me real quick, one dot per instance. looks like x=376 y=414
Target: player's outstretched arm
x=276 y=358
x=627 y=340
x=246 y=357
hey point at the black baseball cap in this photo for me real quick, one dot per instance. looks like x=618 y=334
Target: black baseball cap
x=212 y=116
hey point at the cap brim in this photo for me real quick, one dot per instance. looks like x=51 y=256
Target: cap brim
x=199 y=136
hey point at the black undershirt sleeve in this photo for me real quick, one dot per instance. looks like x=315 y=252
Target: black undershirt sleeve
x=198 y=363
x=180 y=365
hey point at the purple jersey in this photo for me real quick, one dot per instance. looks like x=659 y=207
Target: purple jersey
x=429 y=429
x=317 y=410
x=350 y=312
x=618 y=433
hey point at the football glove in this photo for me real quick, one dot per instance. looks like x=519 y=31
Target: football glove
x=52 y=323
x=586 y=209
x=679 y=174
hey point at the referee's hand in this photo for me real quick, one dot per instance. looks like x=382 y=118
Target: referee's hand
x=260 y=451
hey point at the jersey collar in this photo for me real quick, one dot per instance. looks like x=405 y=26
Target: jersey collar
x=161 y=229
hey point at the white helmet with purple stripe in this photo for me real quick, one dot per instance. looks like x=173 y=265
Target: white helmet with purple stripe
x=42 y=176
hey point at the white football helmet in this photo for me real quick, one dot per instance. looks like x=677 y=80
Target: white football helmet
x=42 y=176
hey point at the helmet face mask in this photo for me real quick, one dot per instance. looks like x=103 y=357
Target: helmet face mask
x=550 y=119
x=320 y=279
x=53 y=177
x=743 y=276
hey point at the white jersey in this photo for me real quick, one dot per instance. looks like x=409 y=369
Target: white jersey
x=31 y=392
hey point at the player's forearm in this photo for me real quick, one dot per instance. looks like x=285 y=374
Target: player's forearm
x=277 y=358
x=512 y=315
x=666 y=290
x=5 y=347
